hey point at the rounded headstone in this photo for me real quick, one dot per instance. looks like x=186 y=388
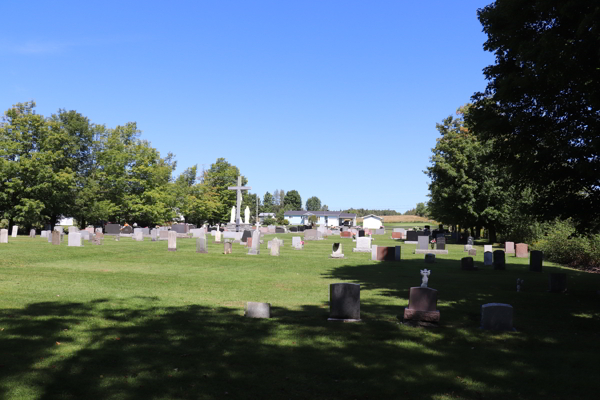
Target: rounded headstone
x=497 y=317
x=499 y=260
x=466 y=264
x=429 y=258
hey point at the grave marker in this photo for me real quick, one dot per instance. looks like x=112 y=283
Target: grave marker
x=497 y=317
x=344 y=300
x=172 y=241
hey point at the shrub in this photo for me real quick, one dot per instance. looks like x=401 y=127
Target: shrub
x=4 y=223
x=270 y=221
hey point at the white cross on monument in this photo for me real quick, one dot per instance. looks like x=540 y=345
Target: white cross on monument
x=239 y=189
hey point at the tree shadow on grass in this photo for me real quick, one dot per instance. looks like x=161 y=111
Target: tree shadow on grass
x=124 y=349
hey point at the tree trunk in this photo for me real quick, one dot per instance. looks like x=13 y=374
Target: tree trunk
x=477 y=232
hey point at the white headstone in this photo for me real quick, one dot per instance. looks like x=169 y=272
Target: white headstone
x=274 y=247
x=487 y=247
x=3 y=235
x=255 y=248
x=74 y=239
x=363 y=245
x=15 y=230
x=297 y=242
x=217 y=236
x=172 y=244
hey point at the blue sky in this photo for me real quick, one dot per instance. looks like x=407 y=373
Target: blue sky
x=335 y=99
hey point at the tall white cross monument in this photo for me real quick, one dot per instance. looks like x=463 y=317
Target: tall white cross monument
x=239 y=189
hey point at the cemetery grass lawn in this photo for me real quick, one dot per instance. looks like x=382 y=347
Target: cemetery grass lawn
x=130 y=320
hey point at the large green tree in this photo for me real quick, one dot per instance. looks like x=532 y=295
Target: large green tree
x=292 y=200
x=313 y=204
x=218 y=178
x=542 y=102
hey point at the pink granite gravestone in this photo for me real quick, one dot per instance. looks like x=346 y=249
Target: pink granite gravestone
x=521 y=250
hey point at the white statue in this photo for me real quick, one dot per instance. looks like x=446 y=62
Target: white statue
x=232 y=220
x=247 y=215
x=425 y=274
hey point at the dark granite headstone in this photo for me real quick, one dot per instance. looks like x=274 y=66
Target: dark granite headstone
x=361 y=233
x=440 y=242
x=499 y=260
x=422 y=233
x=293 y=229
x=412 y=236
x=344 y=300
x=112 y=229
x=388 y=253
x=246 y=235
x=279 y=230
x=127 y=230
x=179 y=228
x=427 y=226
x=535 y=260
x=466 y=264
x=301 y=229
x=558 y=282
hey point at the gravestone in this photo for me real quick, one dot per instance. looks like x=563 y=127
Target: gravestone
x=275 y=248
x=15 y=230
x=279 y=230
x=423 y=242
x=218 y=236
x=73 y=229
x=258 y=310
x=397 y=235
x=297 y=243
x=344 y=234
x=112 y=229
x=487 y=247
x=56 y=238
x=255 y=243
x=179 y=228
x=74 y=239
x=44 y=233
x=401 y=230
x=487 y=258
x=58 y=228
x=536 y=258
x=470 y=240
x=472 y=252
x=146 y=231
x=557 y=282
x=380 y=231
x=411 y=236
x=429 y=258
x=344 y=300
x=154 y=235
x=246 y=235
x=509 y=248
x=521 y=250
x=98 y=230
x=49 y=236
x=361 y=233
x=440 y=242
x=422 y=306
x=227 y=248
x=336 y=251
x=271 y=229
x=466 y=264
x=499 y=260
x=497 y=317
x=201 y=245
x=164 y=234
x=98 y=238
x=363 y=245
x=384 y=253
x=310 y=234
x=32 y=233
x=294 y=229
x=138 y=236
x=127 y=230
x=270 y=242
x=3 y=235
x=172 y=241
x=468 y=247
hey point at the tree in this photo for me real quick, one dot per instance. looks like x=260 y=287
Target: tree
x=313 y=204
x=276 y=199
x=421 y=210
x=325 y=207
x=542 y=102
x=218 y=178
x=293 y=200
x=313 y=219
x=36 y=176
x=268 y=202
x=466 y=188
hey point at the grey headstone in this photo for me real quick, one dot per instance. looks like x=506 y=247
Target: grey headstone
x=201 y=245
x=363 y=245
x=509 y=247
x=172 y=241
x=487 y=247
x=497 y=317
x=297 y=242
x=74 y=239
x=423 y=242
x=258 y=310
x=440 y=242
x=275 y=248
x=112 y=229
x=255 y=248
x=344 y=300
x=32 y=233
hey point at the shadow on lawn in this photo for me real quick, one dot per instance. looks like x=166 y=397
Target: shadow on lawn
x=134 y=349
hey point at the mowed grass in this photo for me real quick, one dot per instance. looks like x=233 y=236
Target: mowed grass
x=130 y=320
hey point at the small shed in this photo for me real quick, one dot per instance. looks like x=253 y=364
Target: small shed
x=372 y=222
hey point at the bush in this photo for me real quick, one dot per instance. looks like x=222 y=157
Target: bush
x=285 y=222
x=270 y=221
x=4 y=223
x=561 y=245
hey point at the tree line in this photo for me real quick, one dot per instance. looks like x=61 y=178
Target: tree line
x=65 y=165
x=526 y=151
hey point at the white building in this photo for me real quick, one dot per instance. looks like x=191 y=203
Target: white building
x=325 y=218
x=372 y=222
x=263 y=216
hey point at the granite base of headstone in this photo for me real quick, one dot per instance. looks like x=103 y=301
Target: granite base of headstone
x=422 y=307
x=497 y=317
x=344 y=302
x=258 y=310
x=536 y=258
x=557 y=282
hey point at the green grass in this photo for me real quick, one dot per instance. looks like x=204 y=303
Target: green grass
x=135 y=321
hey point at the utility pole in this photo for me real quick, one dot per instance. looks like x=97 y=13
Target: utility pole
x=257 y=212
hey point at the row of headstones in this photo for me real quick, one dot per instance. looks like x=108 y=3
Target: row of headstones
x=344 y=305
x=4 y=234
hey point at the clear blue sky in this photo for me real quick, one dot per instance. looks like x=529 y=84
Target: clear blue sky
x=335 y=99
